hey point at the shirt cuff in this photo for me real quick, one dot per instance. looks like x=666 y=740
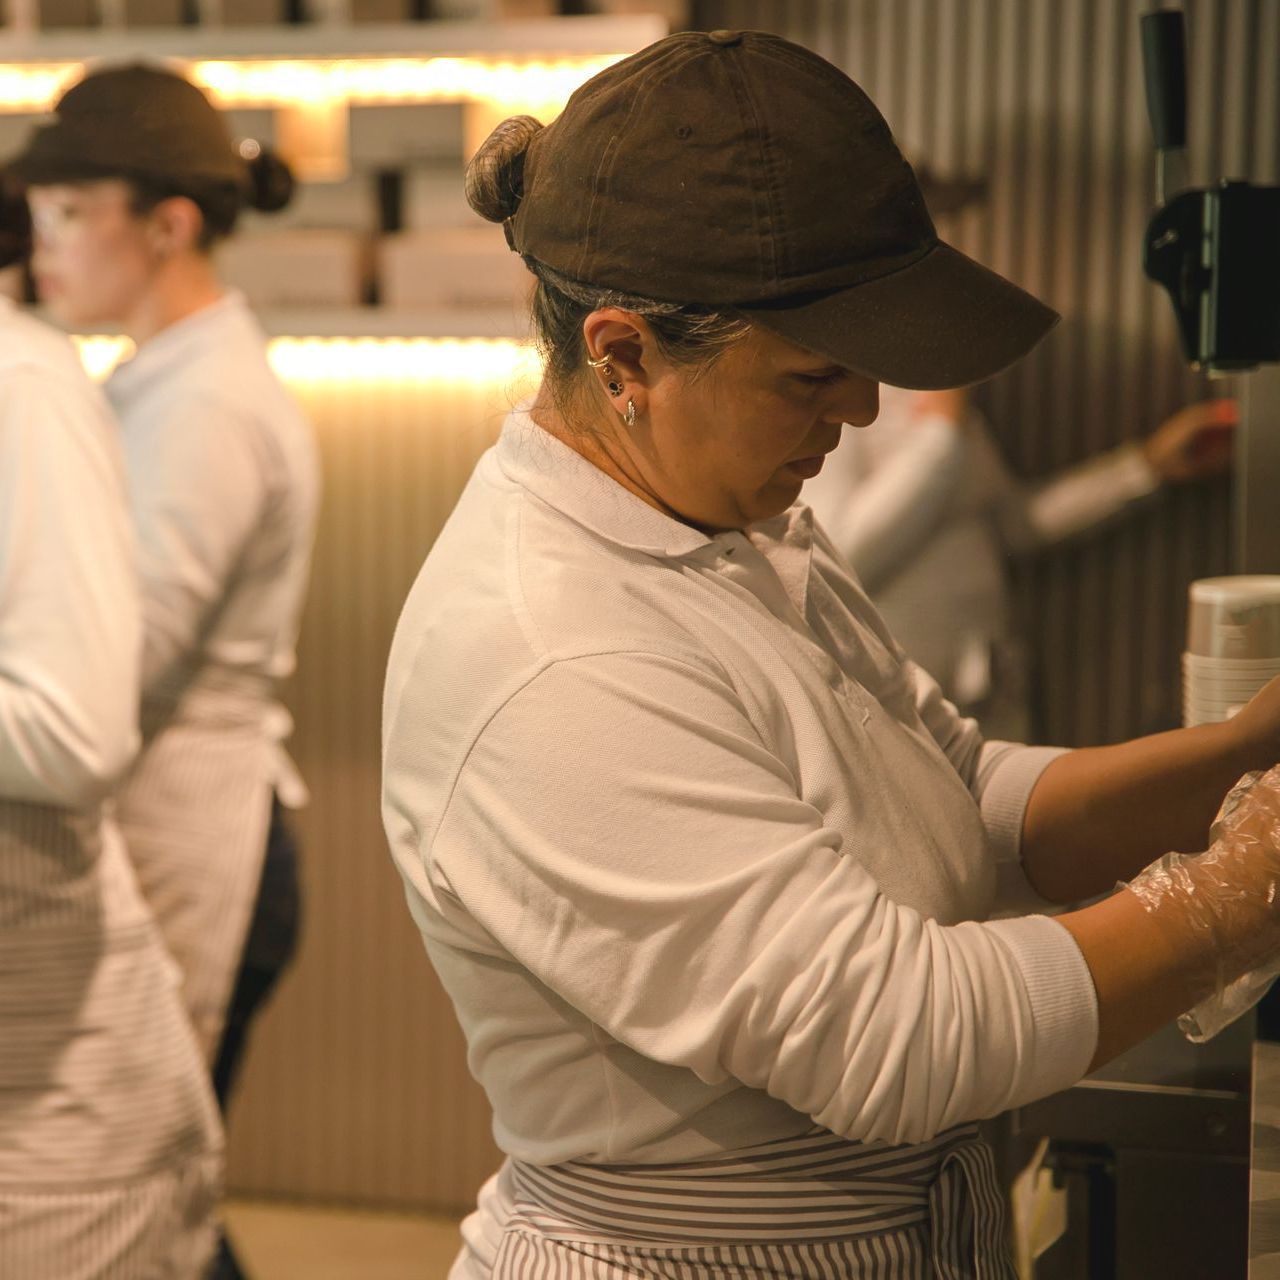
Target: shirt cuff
x=1005 y=778
x=1134 y=476
x=1063 y=1000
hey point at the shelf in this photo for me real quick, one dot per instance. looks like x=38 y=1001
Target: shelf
x=513 y=41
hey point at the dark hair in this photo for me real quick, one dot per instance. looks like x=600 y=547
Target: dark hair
x=270 y=188
x=15 y=221
x=690 y=336
x=219 y=204
x=687 y=336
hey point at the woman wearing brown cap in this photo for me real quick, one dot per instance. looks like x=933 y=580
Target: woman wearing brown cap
x=703 y=860
x=131 y=185
x=110 y=1145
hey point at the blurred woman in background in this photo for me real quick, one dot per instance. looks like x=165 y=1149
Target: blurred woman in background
x=131 y=186
x=110 y=1145
x=929 y=516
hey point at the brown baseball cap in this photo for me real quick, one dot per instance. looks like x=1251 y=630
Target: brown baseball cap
x=735 y=170
x=135 y=121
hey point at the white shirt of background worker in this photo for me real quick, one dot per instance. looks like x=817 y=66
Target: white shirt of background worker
x=702 y=858
x=222 y=480
x=928 y=515
x=110 y=1146
x=131 y=185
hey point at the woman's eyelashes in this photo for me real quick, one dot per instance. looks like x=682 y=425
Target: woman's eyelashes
x=819 y=378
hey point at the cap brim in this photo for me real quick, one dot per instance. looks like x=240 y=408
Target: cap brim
x=44 y=171
x=60 y=152
x=943 y=321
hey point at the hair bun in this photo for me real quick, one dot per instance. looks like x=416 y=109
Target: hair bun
x=271 y=182
x=495 y=176
x=15 y=221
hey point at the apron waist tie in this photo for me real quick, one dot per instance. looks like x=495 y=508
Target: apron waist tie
x=799 y=1190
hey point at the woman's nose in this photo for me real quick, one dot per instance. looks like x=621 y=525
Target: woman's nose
x=855 y=400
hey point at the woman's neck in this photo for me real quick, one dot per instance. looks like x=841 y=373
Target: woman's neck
x=604 y=452
x=184 y=287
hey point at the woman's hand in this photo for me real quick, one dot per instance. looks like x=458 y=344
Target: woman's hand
x=1188 y=926
x=1195 y=443
x=1254 y=731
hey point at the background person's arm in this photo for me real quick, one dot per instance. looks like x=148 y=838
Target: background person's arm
x=69 y=627
x=1192 y=444
x=197 y=486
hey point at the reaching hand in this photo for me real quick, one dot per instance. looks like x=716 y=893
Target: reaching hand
x=1255 y=728
x=1195 y=443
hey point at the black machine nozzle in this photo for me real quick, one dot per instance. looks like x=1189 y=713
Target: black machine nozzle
x=1164 y=66
x=1216 y=251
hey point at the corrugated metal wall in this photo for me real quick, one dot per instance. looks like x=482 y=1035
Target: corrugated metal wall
x=356 y=1087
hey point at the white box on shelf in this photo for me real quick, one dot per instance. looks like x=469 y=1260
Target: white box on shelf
x=450 y=267
x=493 y=10
x=436 y=199
x=297 y=268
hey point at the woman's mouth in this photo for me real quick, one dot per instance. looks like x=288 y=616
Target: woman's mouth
x=807 y=468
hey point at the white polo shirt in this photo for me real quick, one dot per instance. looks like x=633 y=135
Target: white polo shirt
x=697 y=853
x=109 y=1137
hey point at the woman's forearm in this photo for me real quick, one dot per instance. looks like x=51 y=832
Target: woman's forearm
x=1187 y=926
x=1100 y=814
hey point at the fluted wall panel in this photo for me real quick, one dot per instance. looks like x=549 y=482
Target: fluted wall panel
x=357 y=1088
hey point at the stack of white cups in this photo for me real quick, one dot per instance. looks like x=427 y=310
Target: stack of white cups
x=1233 y=649
x=1233 y=645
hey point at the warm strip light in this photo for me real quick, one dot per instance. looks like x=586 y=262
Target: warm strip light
x=310 y=360
x=416 y=359
x=100 y=355
x=358 y=81
x=31 y=87
x=395 y=80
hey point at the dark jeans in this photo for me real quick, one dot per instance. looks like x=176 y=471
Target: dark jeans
x=269 y=946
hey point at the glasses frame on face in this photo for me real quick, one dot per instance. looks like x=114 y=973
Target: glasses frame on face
x=50 y=223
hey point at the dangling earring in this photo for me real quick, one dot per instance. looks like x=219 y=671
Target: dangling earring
x=630 y=418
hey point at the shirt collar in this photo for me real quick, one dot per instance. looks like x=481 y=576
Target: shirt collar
x=565 y=480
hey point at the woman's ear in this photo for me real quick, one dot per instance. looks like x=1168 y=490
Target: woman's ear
x=623 y=355
x=628 y=342
x=175 y=226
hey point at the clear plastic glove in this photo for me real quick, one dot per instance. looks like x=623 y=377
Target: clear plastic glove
x=1228 y=900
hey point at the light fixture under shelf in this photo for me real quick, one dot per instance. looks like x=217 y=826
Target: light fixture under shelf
x=537 y=63
x=320 y=359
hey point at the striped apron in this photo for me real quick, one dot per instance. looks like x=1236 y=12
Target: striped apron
x=814 y=1207
x=195 y=812
x=110 y=1144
